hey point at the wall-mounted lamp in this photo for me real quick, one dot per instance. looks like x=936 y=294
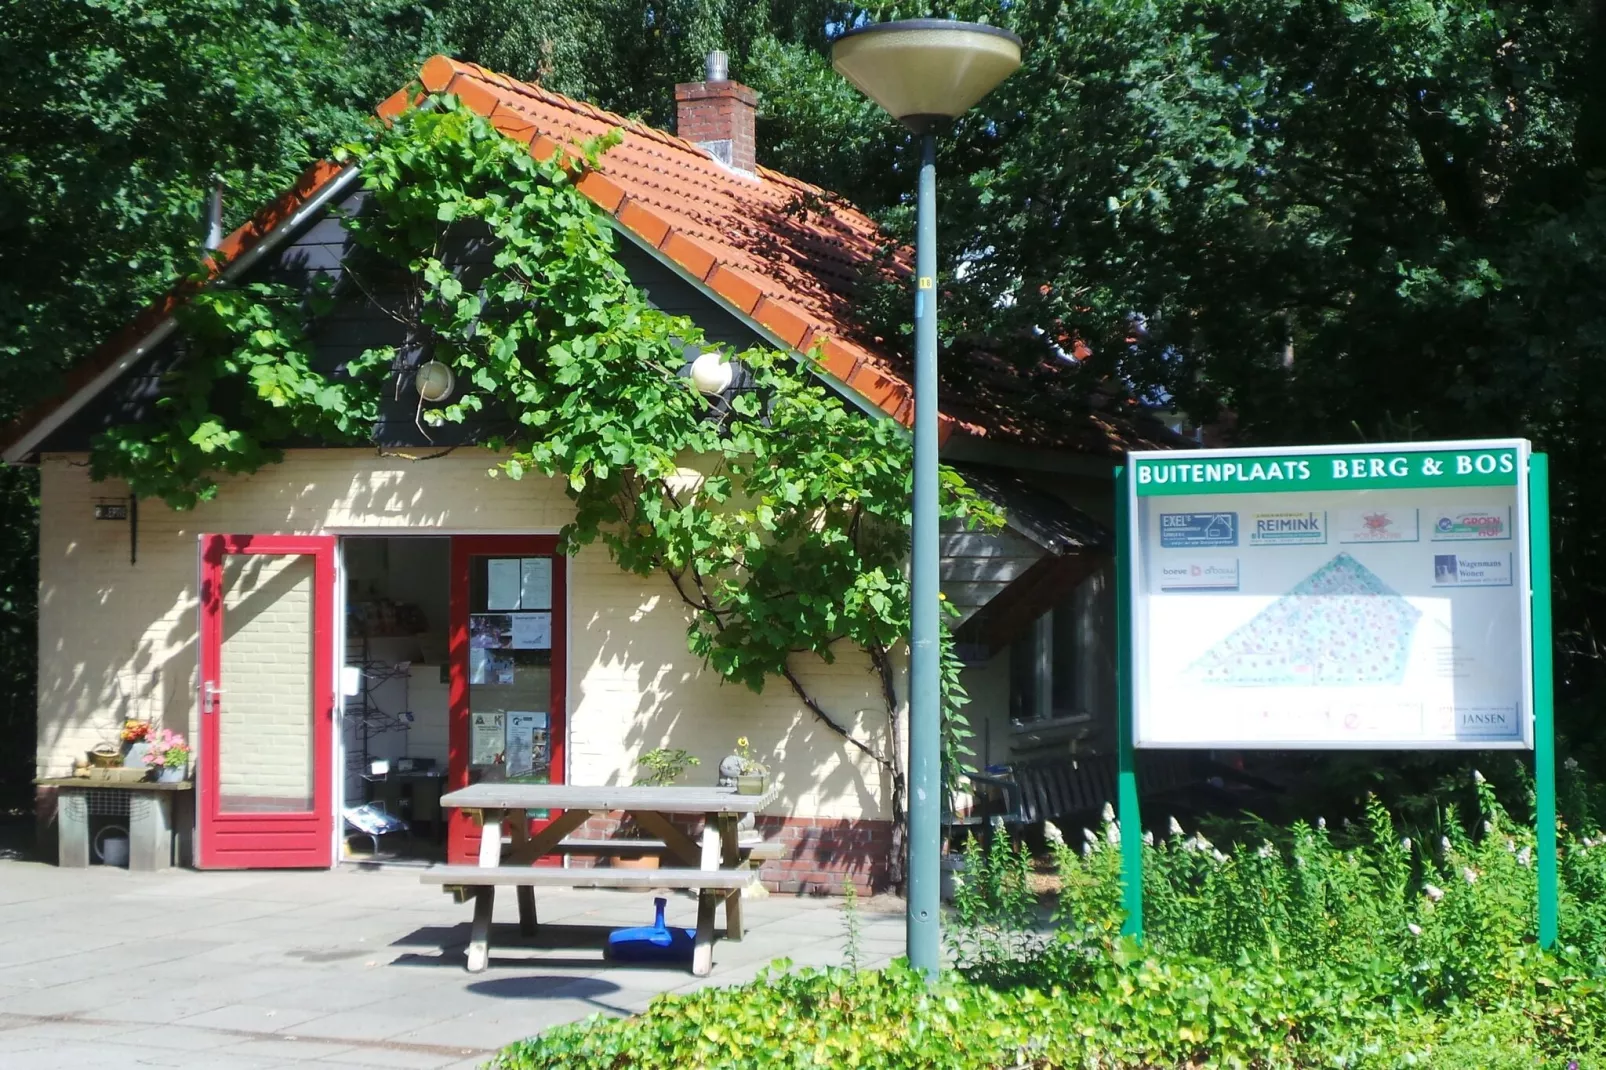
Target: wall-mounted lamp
x=433 y=381
x=711 y=373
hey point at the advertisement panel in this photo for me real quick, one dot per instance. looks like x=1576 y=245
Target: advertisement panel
x=1332 y=597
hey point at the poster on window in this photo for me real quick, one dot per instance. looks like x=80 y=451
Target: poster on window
x=531 y=631
x=486 y=738
x=502 y=583
x=526 y=743
x=1372 y=597
x=535 y=583
x=490 y=631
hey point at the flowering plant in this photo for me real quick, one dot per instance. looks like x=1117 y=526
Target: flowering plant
x=170 y=750
x=136 y=731
x=750 y=764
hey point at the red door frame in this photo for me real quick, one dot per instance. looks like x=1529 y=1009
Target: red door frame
x=463 y=835
x=266 y=840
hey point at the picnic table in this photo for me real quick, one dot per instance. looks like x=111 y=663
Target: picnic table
x=717 y=868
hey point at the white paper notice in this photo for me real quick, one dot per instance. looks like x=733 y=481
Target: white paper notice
x=521 y=728
x=485 y=738
x=478 y=660
x=535 y=575
x=532 y=631
x=502 y=583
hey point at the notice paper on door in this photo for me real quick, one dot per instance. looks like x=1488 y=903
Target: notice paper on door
x=486 y=738
x=502 y=583
x=522 y=729
x=535 y=583
x=532 y=631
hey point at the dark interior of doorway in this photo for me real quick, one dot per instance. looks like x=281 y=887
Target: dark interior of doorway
x=396 y=712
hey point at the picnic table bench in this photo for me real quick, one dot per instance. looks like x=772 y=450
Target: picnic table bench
x=717 y=868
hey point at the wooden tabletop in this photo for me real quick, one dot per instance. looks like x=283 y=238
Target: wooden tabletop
x=113 y=785
x=671 y=800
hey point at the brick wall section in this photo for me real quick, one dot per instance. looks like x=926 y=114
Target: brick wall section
x=719 y=111
x=821 y=853
x=116 y=638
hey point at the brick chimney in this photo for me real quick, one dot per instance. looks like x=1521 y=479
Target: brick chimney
x=717 y=114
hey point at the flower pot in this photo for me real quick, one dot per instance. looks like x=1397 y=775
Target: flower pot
x=634 y=862
x=171 y=774
x=751 y=784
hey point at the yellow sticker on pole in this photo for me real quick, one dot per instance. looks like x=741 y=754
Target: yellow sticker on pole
x=924 y=282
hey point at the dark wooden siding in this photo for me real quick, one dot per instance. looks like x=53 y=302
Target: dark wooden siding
x=322 y=249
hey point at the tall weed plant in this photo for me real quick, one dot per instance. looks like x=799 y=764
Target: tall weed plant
x=1370 y=945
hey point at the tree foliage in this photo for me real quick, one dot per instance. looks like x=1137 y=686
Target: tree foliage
x=1340 y=221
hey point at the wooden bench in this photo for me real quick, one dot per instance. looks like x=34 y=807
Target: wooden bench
x=758 y=850
x=712 y=886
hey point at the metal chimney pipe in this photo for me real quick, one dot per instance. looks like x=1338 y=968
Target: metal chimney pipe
x=717 y=67
x=214 y=215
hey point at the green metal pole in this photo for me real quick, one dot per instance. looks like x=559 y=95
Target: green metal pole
x=1544 y=696
x=1126 y=752
x=925 y=682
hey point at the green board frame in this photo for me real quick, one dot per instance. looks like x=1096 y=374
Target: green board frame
x=1129 y=815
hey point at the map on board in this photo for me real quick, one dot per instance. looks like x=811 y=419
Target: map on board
x=1339 y=625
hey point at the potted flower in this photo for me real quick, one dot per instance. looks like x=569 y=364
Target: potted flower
x=660 y=768
x=170 y=755
x=136 y=737
x=754 y=777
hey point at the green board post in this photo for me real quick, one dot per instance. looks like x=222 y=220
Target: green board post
x=1126 y=751
x=1543 y=696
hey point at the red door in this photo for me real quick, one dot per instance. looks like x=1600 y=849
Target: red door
x=265 y=773
x=508 y=658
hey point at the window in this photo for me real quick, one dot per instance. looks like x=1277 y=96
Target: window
x=1064 y=665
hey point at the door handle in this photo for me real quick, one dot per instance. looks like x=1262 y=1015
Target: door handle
x=209 y=694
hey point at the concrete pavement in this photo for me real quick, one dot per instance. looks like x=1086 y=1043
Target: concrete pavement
x=357 y=967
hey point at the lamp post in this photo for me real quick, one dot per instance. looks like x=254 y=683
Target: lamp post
x=925 y=72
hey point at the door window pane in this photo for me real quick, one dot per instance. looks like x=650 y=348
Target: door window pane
x=266 y=709
x=510 y=668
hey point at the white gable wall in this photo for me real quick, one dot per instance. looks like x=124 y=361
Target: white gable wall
x=118 y=639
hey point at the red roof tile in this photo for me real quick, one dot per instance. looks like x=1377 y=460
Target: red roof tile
x=777 y=249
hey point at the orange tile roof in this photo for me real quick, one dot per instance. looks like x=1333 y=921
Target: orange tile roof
x=782 y=252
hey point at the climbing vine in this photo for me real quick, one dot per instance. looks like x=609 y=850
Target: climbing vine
x=779 y=515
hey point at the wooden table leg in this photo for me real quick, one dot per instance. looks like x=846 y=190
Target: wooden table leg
x=731 y=857
x=479 y=938
x=519 y=854
x=702 y=959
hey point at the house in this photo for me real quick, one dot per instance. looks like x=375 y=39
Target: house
x=350 y=610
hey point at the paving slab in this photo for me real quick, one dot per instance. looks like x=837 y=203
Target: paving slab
x=362 y=967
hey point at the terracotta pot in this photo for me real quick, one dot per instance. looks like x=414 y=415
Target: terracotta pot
x=635 y=861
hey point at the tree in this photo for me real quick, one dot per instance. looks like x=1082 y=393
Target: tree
x=1336 y=221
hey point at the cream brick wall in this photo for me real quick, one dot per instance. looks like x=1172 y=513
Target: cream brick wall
x=265 y=719
x=116 y=639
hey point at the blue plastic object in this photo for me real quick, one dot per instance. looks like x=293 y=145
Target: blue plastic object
x=652 y=943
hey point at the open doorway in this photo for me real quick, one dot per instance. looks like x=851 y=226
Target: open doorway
x=396 y=688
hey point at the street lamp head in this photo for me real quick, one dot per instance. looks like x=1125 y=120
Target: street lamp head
x=926 y=71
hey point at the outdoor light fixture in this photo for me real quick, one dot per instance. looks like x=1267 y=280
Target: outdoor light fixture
x=925 y=72
x=711 y=373
x=433 y=381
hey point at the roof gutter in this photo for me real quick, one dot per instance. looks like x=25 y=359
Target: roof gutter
x=25 y=444
x=847 y=392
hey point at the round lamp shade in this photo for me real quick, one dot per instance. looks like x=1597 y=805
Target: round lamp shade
x=925 y=71
x=711 y=372
x=434 y=380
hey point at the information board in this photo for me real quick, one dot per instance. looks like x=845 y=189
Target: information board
x=1332 y=597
